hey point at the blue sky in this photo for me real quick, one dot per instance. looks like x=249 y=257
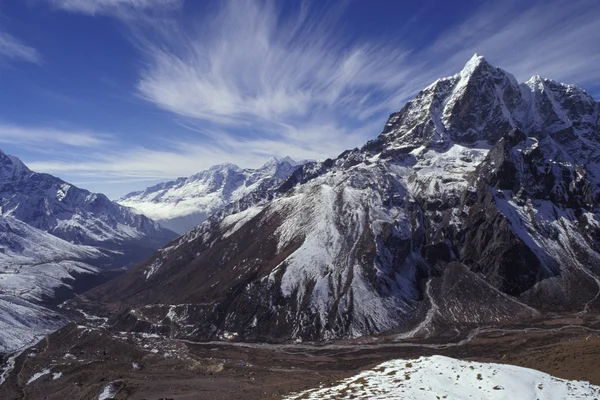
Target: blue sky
x=116 y=95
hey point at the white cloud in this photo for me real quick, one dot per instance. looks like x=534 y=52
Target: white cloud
x=173 y=159
x=44 y=138
x=246 y=62
x=113 y=7
x=13 y=49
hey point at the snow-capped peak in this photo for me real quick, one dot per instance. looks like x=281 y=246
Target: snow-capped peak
x=224 y=167
x=182 y=204
x=73 y=214
x=271 y=162
x=475 y=62
x=482 y=102
x=276 y=161
x=11 y=168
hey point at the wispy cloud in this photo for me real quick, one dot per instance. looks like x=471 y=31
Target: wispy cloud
x=13 y=49
x=140 y=164
x=557 y=39
x=248 y=65
x=30 y=136
x=247 y=62
x=113 y=7
x=171 y=159
x=296 y=81
x=254 y=81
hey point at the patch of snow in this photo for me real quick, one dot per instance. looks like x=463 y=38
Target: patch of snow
x=38 y=375
x=152 y=268
x=109 y=391
x=10 y=365
x=448 y=378
x=228 y=335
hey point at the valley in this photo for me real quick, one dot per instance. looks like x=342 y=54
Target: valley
x=150 y=366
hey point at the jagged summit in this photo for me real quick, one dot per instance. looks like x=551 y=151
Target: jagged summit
x=224 y=166
x=482 y=102
x=474 y=63
x=12 y=168
x=73 y=214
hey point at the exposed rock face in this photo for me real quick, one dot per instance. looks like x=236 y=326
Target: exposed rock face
x=478 y=203
x=182 y=204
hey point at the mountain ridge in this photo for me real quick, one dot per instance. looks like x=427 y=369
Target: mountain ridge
x=57 y=240
x=183 y=203
x=452 y=190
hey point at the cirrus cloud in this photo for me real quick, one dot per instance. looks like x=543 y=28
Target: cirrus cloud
x=12 y=48
x=113 y=7
x=254 y=81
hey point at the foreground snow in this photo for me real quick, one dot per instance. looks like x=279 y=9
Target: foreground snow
x=446 y=378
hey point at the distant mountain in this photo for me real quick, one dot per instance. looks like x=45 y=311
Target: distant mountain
x=184 y=203
x=479 y=203
x=57 y=240
x=76 y=215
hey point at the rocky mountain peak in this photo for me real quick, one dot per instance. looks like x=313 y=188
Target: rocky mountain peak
x=11 y=168
x=75 y=215
x=224 y=167
x=475 y=64
x=482 y=102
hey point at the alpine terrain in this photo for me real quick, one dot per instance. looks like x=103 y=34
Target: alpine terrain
x=469 y=228
x=57 y=240
x=184 y=203
x=477 y=204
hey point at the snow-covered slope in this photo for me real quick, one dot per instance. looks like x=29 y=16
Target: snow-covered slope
x=184 y=203
x=56 y=240
x=76 y=215
x=439 y=377
x=38 y=270
x=478 y=185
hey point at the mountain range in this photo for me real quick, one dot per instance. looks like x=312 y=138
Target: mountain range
x=470 y=227
x=182 y=204
x=477 y=204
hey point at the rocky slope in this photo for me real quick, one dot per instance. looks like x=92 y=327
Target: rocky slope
x=182 y=204
x=477 y=204
x=57 y=240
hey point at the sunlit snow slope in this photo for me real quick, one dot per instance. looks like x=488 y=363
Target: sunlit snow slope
x=439 y=377
x=182 y=204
